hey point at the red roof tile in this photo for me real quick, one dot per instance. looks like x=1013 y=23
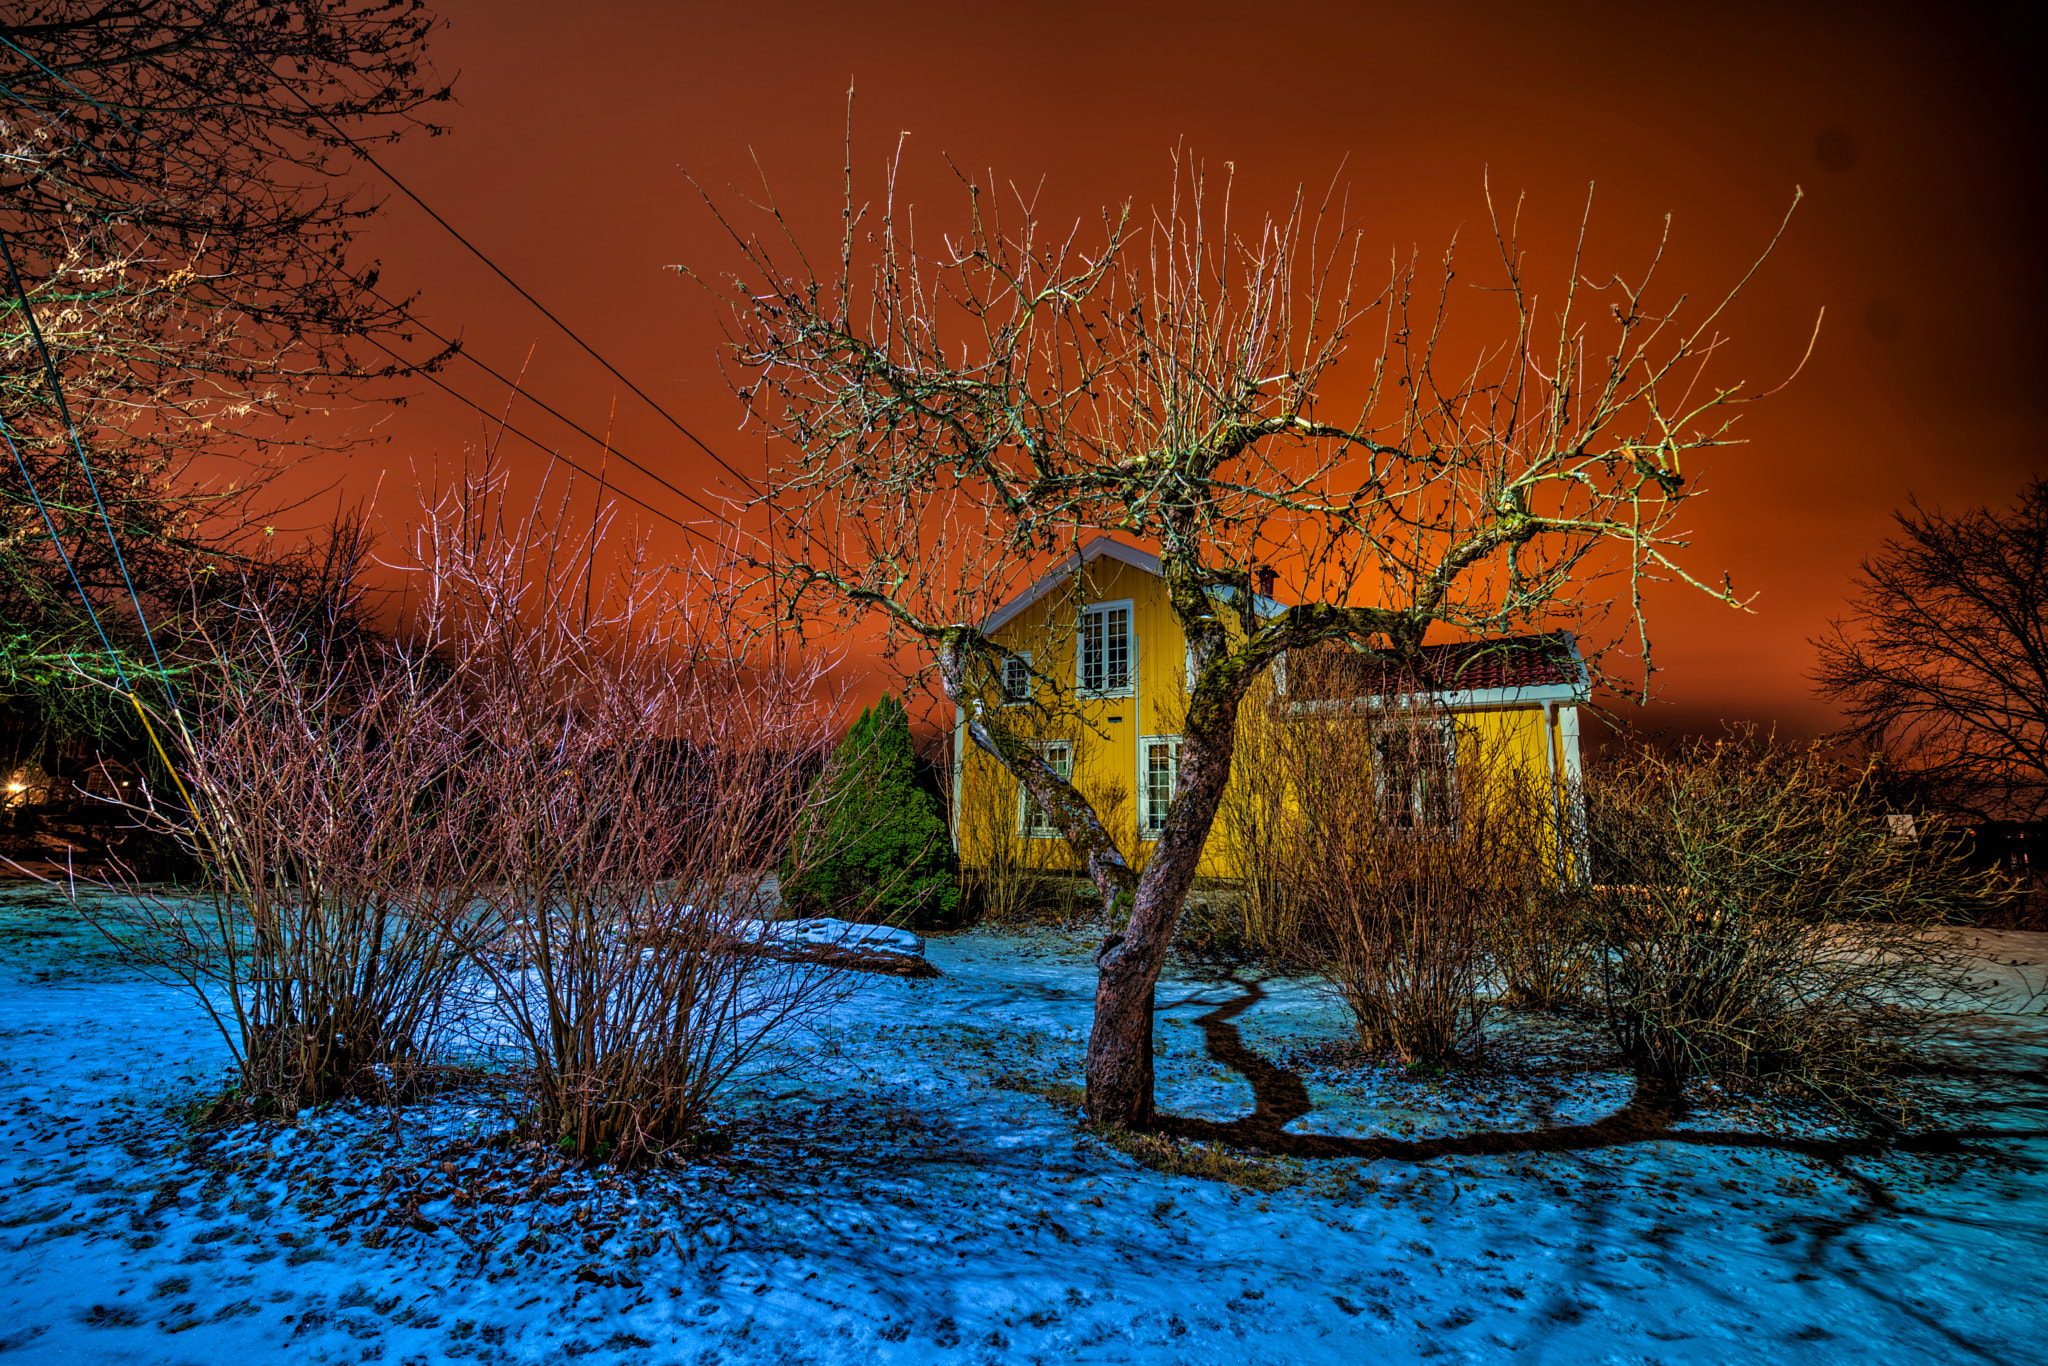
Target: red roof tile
x=1533 y=661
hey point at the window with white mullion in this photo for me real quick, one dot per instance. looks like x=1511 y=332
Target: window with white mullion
x=1106 y=655
x=1158 y=780
x=1033 y=821
x=1017 y=678
x=1416 y=771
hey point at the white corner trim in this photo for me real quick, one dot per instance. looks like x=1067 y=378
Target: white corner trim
x=1568 y=741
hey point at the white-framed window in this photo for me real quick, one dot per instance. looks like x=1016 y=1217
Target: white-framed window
x=1032 y=821
x=1106 y=657
x=1415 y=768
x=1158 y=780
x=1017 y=678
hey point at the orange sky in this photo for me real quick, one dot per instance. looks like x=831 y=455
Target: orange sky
x=1911 y=130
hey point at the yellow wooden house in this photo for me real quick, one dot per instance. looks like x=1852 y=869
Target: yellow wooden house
x=1101 y=685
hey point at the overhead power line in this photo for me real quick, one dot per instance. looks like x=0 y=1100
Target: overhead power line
x=544 y=406
x=556 y=454
x=522 y=291
x=414 y=318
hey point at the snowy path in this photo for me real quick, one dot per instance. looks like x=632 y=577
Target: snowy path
x=917 y=1190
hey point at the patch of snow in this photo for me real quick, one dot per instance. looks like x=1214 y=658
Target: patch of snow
x=916 y=1188
x=843 y=934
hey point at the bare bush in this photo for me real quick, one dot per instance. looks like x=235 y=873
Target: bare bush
x=1259 y=829
x=1010 y=880
x=1404 y=874
x=1543 y=955
x=317 y=788
x=1760 y=920
x=638 y=767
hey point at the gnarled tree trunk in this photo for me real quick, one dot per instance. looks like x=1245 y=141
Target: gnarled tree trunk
x=1128 y=964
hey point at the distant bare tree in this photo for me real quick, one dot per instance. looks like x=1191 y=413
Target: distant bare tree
x=1943 y=658
x=955 y=417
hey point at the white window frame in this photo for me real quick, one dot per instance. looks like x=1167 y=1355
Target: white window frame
x=1129 y=687
x=1447 y=727
x=1011 y=699
x=1053 y=752
x=1148 y=829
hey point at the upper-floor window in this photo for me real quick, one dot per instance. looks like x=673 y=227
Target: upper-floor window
x=1158 y=779
x=1416 y=771
x=1017 y=677
x=1033 y=821
x=1108 y=654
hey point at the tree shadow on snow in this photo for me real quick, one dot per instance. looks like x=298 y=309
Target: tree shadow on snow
x=1281 y=1097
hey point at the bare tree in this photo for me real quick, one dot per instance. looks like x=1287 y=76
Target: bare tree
x=178 y=204
x=1943 y=658
x=954 y=417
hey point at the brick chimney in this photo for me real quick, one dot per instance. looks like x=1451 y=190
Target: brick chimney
x=1266 y=576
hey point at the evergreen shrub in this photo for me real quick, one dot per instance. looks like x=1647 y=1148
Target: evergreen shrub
x=872 y=843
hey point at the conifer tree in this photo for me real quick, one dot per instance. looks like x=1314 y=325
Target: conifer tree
x=874 y=845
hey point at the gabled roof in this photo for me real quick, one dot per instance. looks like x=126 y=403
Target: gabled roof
x=1095 y=550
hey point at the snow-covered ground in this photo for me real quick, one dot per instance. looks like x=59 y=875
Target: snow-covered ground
x=917 y=1188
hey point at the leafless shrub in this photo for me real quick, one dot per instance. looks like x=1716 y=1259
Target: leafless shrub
x=1025 y=869
x=637 y=766
x=1414 y=835
x=1543 y=955
x=1258 y=828
x=1010 y=880
x=1760 y=920
x=317 y=788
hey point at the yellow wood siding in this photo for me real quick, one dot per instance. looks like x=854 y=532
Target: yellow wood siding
x=1106 y=732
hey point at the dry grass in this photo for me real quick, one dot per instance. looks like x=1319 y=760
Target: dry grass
x=1204 y=1161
